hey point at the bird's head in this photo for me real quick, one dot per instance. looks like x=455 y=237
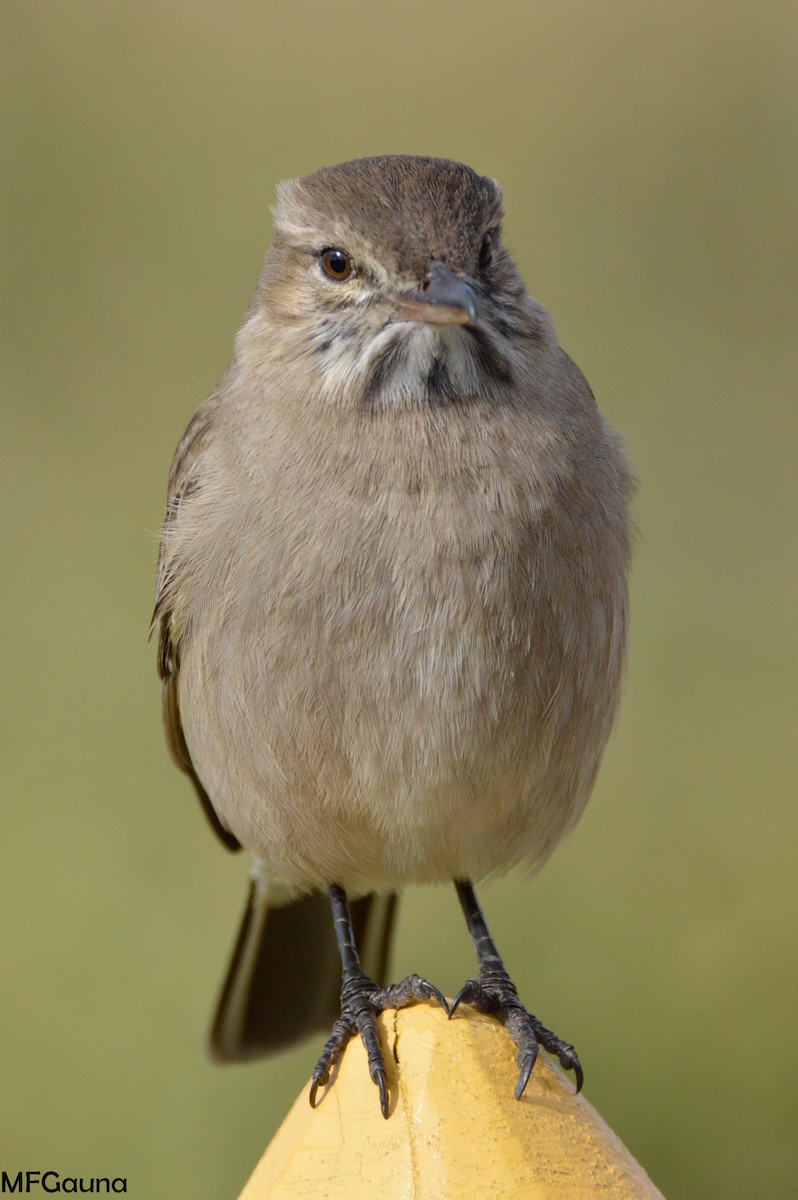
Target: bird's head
x=388 y=277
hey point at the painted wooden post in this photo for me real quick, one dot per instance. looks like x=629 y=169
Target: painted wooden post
x=455 y=1131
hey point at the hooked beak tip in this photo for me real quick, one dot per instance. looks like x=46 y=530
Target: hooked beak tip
x=446 y=299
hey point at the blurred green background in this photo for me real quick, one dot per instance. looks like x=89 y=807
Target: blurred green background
x=649 y=157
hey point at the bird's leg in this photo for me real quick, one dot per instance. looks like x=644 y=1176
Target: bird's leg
x=495 y=993
x=361 y=1001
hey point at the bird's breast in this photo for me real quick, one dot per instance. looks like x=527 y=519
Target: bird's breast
x=384 y=641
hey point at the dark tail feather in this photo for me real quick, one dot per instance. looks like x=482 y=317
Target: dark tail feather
x=284 y=978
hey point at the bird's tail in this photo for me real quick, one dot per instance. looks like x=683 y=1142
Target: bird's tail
x=284 y=978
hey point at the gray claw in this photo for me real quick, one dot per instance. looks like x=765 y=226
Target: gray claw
x=433 y=992
x=379 y=1079
x=526 y=1064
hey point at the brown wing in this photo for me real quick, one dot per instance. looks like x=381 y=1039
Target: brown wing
x=183 y=482
x=176 y=741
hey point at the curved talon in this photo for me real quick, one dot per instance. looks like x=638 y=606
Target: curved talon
x=526 y=1064
x=569 y=1059
x=379 y=1078
x=464 y=995
x=314 y=1087
x=434 y=994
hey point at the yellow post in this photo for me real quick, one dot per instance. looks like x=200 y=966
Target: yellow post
x=455 y=1131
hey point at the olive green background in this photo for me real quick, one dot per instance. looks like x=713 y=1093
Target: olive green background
x=649 y=156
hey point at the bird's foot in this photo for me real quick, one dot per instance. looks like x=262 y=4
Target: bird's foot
x=495 y=993
x=361 y=1003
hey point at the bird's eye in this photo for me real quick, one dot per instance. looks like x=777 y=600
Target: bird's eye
x=486 y=250
x=337 y=265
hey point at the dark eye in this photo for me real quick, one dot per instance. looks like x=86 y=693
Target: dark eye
x=337 y=265
x=486 y=250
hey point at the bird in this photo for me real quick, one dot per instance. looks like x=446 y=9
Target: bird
x=392 y=600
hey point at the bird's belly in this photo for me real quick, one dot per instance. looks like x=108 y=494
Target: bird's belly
x=382 y=734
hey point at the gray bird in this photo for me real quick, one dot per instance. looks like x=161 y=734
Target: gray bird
x=391 y=600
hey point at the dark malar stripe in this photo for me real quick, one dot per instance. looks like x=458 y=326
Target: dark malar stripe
x=382 y=367
x=492 y=365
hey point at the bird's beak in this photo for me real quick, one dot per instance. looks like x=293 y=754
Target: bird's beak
x=445 y=299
